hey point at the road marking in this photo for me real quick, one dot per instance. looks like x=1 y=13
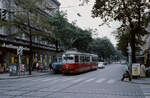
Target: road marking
x=89 y=80
x=38 y=79
x=78 y=80
x=147 y=96
x=49 y=79
x=67 y=79
x=100 y=80
x=111 y=81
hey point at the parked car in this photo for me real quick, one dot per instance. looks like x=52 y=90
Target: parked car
x=123 y=62
x=57 y=65
x=101 y=65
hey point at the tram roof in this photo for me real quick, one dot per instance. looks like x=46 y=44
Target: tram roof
x=78 y=53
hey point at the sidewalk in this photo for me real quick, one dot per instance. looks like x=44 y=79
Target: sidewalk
x=144 y=84
x=34 y=74
x=143 y=81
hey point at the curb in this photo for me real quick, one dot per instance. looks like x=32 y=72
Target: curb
x=144 y=83
x=26 y=76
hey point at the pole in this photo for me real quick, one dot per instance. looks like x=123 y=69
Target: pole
x=30 y=46
x=19 y=63
x=130 y=59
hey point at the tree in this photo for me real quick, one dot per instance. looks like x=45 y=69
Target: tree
x=123 y=43
x=123 y=37
x=67 y=34
x=103 y=47
x=84 y=38
x=132 y=13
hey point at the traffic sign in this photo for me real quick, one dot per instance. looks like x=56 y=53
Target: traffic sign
x=20 y=50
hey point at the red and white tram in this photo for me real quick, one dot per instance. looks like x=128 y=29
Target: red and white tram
x=76 y=62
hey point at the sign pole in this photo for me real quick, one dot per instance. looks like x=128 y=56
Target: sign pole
x=19 y=53
x=130 y=59
x=19 y=63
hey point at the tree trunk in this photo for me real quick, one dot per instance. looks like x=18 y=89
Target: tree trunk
x=132 y=41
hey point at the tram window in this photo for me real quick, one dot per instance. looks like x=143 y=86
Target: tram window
x=68 y=58
x=76 y=58
x=94 y=59
x=82 y=59
x=59 y=59
x=87 y=59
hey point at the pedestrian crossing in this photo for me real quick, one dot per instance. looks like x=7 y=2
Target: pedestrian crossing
x=111 y=81
x=89 y=80
x=76 y=80
x=100 y=80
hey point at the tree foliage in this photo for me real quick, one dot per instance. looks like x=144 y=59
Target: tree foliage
x=132 y=13
x=123 y=37
x=103 y=47
x=67 y=34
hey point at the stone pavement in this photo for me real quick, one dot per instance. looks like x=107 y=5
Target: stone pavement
x=144 y=85
x=34 y=74
x=144 y=81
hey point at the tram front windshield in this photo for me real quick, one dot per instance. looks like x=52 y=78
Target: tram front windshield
x=68 y=59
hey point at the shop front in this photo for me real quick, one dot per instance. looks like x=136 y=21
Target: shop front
x=8 y=56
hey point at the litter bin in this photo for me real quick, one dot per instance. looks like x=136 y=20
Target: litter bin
x=13 y=70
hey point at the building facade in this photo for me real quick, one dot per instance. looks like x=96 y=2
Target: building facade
x=147 y=50
x=43 y=51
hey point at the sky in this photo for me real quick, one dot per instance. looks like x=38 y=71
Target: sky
x=85 y=21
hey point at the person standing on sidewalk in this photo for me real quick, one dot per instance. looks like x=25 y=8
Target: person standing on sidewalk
x=142 y=71
x=126 y=73
x=37 y=66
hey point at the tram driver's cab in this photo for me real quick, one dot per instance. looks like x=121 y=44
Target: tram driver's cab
x=68 y=58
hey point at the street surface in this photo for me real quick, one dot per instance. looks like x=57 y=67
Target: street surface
x=102 y=83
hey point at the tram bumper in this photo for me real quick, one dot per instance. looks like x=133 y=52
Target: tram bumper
x=68 y=71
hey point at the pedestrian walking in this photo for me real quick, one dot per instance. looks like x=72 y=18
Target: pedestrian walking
x=41 y=67
x=37 y=66
x=126 y=73
x=50 y=66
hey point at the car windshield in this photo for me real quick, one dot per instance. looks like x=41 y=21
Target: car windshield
x=100 y=62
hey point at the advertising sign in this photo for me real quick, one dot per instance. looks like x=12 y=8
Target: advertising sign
x=136 y=69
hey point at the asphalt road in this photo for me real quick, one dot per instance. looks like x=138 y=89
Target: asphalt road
x=102 y=83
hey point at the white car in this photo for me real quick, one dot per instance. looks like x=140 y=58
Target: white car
x=101 y=65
